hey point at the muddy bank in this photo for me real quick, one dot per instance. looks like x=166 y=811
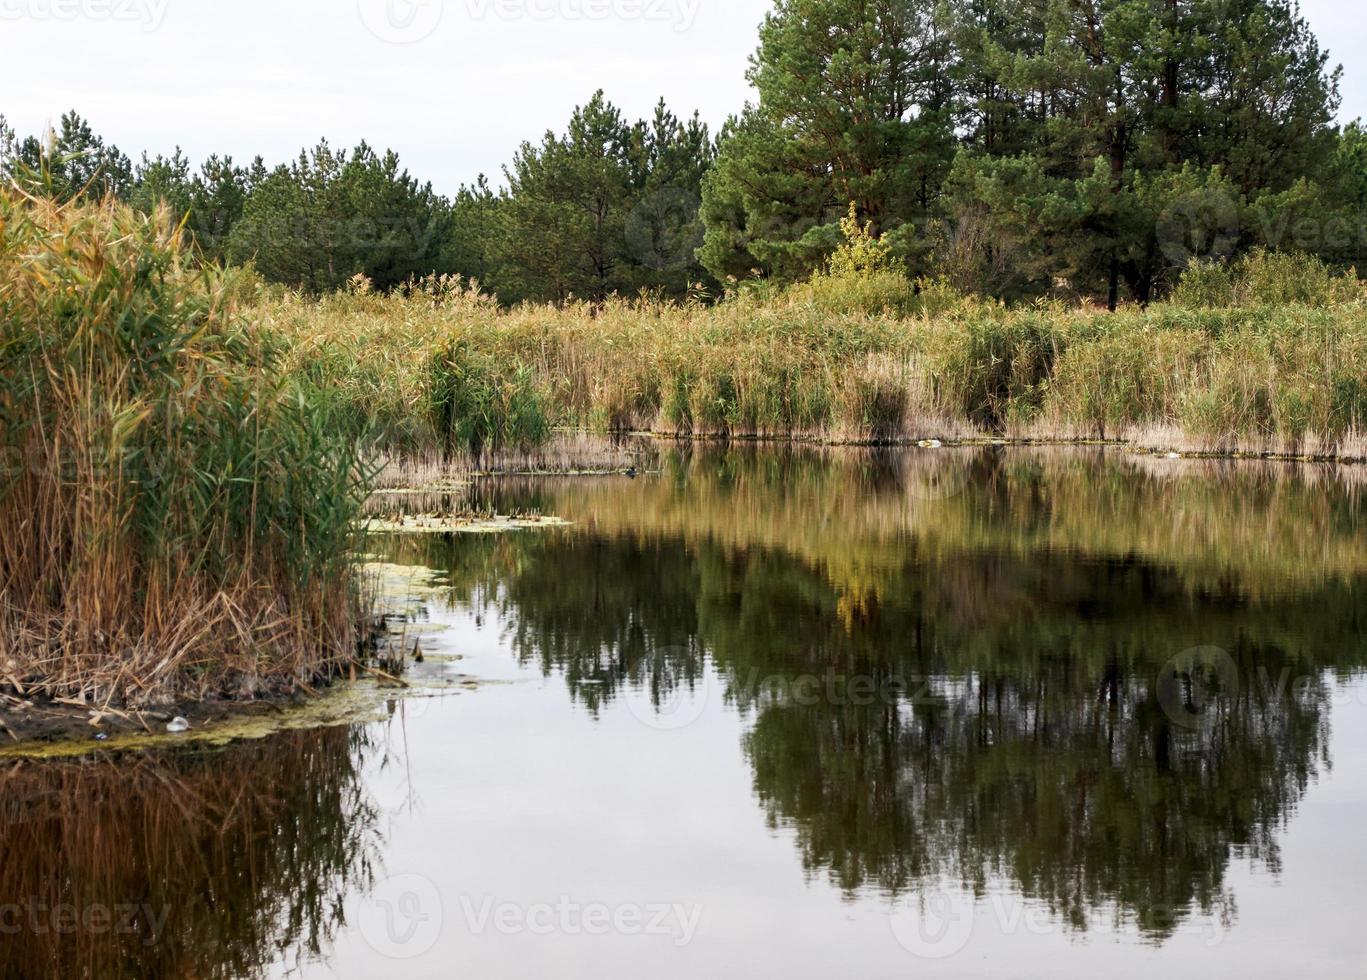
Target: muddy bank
x=50 y=731
x=1154 y=442
x=33 y=722
x=395 y=668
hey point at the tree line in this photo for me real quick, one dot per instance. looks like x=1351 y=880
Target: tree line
x=1019 y=146
x=609 y=206
x=1012 y=148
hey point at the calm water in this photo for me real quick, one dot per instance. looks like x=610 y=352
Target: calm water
x=784 y=714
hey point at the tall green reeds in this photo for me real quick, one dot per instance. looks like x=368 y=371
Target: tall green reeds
x=1267 y=355
x=176 y=512
x=479 y=404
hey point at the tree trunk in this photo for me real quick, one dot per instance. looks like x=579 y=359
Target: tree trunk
x=1113 y=296
x=1171 y=76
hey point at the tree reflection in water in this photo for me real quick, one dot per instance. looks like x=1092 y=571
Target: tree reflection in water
x=963 y=665
x=950 y=662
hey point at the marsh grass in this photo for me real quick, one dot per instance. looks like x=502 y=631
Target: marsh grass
x=1268 y=355
x=176 y=512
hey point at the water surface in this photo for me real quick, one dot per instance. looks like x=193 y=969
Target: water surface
x=795 y=713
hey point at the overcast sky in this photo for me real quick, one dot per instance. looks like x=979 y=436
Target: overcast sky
x=453 y=85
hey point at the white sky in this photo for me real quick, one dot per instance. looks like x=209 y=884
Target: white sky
x=471 y=80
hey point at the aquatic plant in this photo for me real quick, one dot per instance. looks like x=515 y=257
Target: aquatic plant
x=176 y=511
x=852 y=357
x=479 y=404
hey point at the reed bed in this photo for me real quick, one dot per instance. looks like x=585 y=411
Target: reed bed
x=177 y=513
x=1265 y=357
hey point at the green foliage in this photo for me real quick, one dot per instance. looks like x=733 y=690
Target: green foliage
x=66 y=163
x=609 y=207
x=853 y=106
x=473 y=249
x=884 y=291
x=480 y=406
x=862 y=252
x=210 y=201
x=861 y=276
x=1066 y=147
x=1063 y=149
x=331 y=216
x=1122 y=134
x=8 y=147
x=1269 y=279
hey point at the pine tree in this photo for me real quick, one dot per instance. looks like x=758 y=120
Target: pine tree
x=1119 y=129
x=855 y=106
x=668 y=160
x=609 y=207
x=218 y=195
x=163 y=180
x=471 y=249
x=73 y=161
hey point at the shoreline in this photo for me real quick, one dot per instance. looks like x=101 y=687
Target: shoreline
x=1133 y=447
x=41 y=726
x=1179 y=448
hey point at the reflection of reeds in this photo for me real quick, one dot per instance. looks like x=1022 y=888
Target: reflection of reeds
x=1272 y=527
x=563 y=452
x=176 y=515
x=204 y=864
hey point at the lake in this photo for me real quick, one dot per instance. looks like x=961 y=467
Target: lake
x=780 y=713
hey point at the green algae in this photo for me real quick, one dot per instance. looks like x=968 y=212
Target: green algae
x=459 y=525
x=361 y=702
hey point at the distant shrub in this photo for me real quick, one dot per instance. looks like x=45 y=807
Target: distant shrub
x=1206 y=285
x=1264 y=278
x=861 y=276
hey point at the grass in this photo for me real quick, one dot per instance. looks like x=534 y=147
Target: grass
x=177 y=512
x=1265 y=356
